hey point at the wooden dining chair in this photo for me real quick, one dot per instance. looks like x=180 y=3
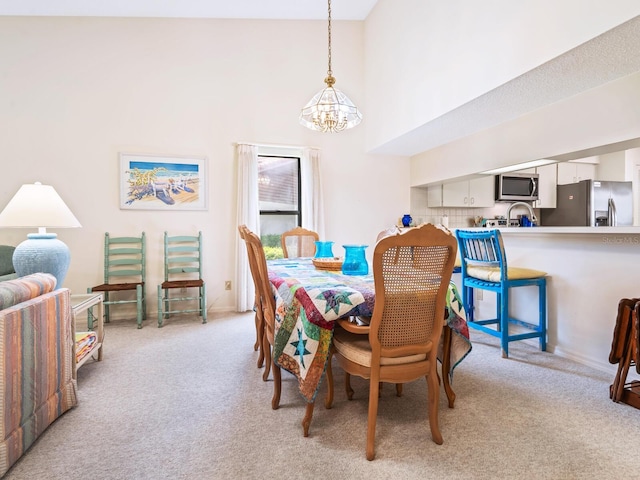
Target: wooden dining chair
x=625 y=352
x=124 y=271
x=266 y=302
x=182 y=271
x=299 y=242
x=257 y=303
x=411 y=274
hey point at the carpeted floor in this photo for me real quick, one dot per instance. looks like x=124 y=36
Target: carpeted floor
x=187 y=401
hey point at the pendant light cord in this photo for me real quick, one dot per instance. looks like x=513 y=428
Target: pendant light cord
x=329 y=72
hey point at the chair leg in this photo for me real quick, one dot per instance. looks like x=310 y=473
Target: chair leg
x=144 y=304
x=503 y=299
x=267 y=356
x=256 y=320
x=259 y=341
x=160 y=314
x=398 y=389
x=347 y=386
x=105 y=303
x=467 y=302
x=277 y=386
x=542 y=297
x=433 y=394
x=203 y=303
x=139 y=305
x=328 y=401
x=446 y=365
x=306 y=421
x=372 y=416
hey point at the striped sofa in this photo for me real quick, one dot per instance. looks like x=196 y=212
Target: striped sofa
x=36 y=361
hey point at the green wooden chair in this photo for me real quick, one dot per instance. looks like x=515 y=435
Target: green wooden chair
x=124 y=271
x=182 y=270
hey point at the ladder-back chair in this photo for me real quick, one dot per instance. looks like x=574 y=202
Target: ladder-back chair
x=411 y=274
x=299 y=242
x=182 y=271
x=124 y=271
x=484 y=266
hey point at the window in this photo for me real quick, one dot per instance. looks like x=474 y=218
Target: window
x=279 y=194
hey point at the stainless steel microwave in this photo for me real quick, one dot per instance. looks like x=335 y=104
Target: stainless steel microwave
x=512 y=187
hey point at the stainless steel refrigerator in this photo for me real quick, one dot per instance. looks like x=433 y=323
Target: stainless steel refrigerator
x=591 y=203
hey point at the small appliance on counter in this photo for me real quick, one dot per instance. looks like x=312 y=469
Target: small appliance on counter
x=499 y=222
x=495 y=222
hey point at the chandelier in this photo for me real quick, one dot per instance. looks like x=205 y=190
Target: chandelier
x=330 y=110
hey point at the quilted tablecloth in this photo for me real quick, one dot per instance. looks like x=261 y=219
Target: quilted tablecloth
x=308 y=301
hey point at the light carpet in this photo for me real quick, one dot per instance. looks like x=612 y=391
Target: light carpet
x=187 y=402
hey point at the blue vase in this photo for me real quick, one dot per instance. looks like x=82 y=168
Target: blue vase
x=323 y=250
x=355 y=261
x=406 y=220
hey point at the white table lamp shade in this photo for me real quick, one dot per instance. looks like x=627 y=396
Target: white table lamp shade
x=39 y=206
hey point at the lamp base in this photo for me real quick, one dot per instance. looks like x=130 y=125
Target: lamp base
x=42 y=252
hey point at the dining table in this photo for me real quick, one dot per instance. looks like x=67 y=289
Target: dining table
x=309 y=300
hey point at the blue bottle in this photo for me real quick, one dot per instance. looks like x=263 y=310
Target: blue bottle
x=324 y=250
x=355 y=261
x=406 y=220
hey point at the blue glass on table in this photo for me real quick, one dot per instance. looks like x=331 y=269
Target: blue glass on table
x=355 y=261
x=406 y=220
x=324 y=250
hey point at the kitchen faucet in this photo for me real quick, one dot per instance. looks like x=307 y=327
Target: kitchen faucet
x=532 y=216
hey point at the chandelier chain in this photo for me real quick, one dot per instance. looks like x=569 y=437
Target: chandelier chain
x=329 y=110
x=329 y=72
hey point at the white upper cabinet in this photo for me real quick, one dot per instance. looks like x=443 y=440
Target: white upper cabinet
x=572 y=172
x=547 y=182
x=434 y=196
x=477 y=193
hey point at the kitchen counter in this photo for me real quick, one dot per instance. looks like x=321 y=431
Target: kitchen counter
x=564 y=230
x=589 y=270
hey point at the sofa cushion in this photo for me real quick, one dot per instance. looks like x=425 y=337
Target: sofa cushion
x=25 y=288
x=6 y=260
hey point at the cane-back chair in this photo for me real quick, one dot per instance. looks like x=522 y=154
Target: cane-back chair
x=124 y=271
x=411 y=274
x=182 y=271
x=267 y=304
x=257 y=306
x=299 y=242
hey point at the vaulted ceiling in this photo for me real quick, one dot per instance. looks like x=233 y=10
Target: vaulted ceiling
x=268 y=9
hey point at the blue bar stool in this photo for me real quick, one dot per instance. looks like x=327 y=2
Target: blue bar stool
x=484 y=266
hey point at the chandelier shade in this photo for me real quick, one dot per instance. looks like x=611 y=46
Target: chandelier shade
x=330 y=110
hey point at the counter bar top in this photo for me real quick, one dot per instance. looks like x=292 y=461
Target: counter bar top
x=564 y=230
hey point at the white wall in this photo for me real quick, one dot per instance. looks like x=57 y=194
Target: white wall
x=600 y=116
x=450 y=53
x=74 y=92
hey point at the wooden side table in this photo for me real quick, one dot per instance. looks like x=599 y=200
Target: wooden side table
x=92 y=304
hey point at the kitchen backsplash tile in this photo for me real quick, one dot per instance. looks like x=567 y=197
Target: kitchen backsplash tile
x=460 y=217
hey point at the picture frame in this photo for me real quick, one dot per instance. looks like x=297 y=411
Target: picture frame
x=163 y=182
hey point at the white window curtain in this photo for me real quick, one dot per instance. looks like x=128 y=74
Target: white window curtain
x=248 y=214
x=249 y=208
x=312 y=209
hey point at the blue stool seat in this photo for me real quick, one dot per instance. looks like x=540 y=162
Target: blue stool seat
x=484 y=266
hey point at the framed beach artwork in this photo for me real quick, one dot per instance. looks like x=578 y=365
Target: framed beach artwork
x=156 y=182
